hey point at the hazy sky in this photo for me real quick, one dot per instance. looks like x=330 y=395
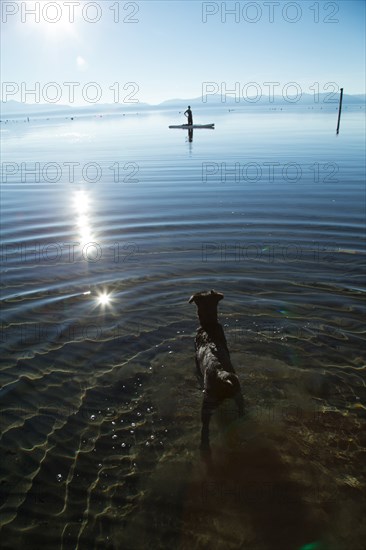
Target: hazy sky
x=169 y=49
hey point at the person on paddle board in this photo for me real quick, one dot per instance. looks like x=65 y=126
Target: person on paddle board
x=188 y=114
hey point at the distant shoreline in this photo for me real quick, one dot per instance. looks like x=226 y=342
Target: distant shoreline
x=11 y=109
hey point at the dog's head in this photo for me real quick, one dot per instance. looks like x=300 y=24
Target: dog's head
x=227 y=384
x=221 y=384
x=206 y=303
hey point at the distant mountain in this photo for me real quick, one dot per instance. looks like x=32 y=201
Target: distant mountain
x=305 y=99
x=16 y=108
x=12 y=107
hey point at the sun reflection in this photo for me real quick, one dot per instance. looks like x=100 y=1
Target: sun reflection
x=104 y=299
x=81 y=203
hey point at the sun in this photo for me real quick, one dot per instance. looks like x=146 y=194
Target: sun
x=55 y=19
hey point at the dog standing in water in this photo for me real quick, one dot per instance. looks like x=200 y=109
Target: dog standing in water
x=215 y=371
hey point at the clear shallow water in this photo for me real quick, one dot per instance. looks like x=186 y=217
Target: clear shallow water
x=100 y=407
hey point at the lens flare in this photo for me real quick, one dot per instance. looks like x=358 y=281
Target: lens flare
x=104 y=299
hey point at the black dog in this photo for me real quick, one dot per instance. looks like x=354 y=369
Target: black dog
x=214 y=368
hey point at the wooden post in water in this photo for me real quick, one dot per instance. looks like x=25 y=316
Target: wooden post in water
x=340 y=110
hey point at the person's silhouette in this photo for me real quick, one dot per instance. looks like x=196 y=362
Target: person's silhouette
x=188 y=114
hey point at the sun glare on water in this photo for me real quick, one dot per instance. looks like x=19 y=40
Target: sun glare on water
x=104 y=299
x=83 y=223
x=81 y=201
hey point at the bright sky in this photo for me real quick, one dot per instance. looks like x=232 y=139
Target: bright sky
x=158 y=50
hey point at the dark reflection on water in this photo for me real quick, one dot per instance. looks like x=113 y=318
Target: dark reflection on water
x=100 y=407
x=246 y=492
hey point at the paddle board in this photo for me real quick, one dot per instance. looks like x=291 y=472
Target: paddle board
x=191 y=126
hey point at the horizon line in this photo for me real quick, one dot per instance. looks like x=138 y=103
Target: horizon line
x=173 y=99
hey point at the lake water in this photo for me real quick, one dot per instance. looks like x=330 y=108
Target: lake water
x=109 y=224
